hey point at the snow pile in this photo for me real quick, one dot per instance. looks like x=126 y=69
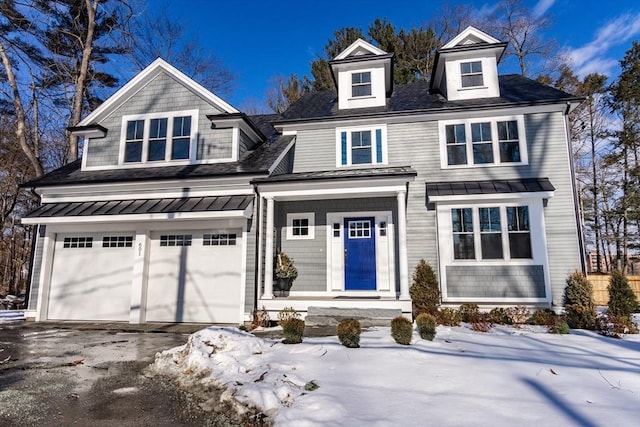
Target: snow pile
x=505 y=377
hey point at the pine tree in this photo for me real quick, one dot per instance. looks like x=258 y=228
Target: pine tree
x=578 y=302
x=424 y=291
x=622 y=299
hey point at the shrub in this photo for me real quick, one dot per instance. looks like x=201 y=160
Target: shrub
x=287 y=313
x=292 y=329
x=348 y=331
x=401 y=330
x=468 y=311
x=449 y=317
x=622 y=300
x=544 y=317
x=424 y=291
x=616 y=326
x=426 y=326
x=518 y=315
x=558 y=325
x=578 y=302
x=260 y=318
x=480 y=322
x=499 y=316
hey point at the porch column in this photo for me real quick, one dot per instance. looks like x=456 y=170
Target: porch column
x=402 y=245
x=268 y=252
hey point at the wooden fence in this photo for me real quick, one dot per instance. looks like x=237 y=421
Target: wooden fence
x=600 y=283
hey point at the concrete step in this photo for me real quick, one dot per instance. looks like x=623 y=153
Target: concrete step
x=331 y=316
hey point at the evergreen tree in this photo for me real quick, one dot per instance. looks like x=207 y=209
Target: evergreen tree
x=622 y=299
x=578 y=302
x=424 y=291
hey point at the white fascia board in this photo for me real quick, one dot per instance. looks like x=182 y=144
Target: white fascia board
x=470 y=31
x=303 y=192
x=496 y=196
x=359 y=44
x=169 y=216
x=412 y=116
x=142 y=79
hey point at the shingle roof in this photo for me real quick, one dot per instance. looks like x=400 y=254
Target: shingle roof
x=416 y=98
x=464 y=188
x=253 y=162
x=350 y=174
x=130 y=207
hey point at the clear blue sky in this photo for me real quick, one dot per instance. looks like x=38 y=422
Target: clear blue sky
x=258 y=40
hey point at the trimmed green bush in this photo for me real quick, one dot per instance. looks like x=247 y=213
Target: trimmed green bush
x=424 y=291
x=426 y=326
x=578 y=302
x=544 y=317
x=292 y=329
x=468 y=311
x=402 y=330
x=558 y=326
x=449 y=317
x=348 y=331
x=499 y=316
x=622 y=300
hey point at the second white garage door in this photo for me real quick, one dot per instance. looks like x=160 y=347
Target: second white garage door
x=195 y=276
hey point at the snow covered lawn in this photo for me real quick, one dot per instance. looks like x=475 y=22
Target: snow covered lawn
x=503 y=378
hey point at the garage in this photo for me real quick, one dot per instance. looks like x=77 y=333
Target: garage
x=195 y=276
x=91 y=277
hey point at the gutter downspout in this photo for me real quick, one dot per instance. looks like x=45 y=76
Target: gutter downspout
x=256 y=285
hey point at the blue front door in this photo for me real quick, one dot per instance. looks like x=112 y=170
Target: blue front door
x=359 y=254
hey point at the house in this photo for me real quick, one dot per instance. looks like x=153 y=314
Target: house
x=181 y=202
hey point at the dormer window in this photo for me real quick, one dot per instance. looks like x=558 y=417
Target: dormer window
x=158 y=137
x=361 y=84
x=471 y=74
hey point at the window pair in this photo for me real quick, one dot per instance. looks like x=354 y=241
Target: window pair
x=489 y=226
x=158 y=145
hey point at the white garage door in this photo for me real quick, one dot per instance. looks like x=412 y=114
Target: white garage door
x=195 y=276
x=91 y=277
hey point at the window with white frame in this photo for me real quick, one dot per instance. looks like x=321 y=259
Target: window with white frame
x=300 y=226
x=77 y=242
x=176 y=240
x=361 y=84
x=222 y=239
x=158 y=137
x=483 y=142
x=490 y=233
x=117 y=242
x=471 y=74
x=361 y=146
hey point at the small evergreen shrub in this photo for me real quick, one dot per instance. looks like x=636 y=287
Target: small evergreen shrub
x=449 y=317
x=499 y=316
x=426 y=326
x=616 y=326
x=578 y=302
x=292 y=329
x=424 y=291
x=544 y=317
x=401 y=330
x=348 y=331
x=622 y=300
x=518 y=315
x=558 y=325
x=468 y=312
x=480 y=322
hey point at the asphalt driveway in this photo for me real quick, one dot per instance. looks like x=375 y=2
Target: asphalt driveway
x=93 y=374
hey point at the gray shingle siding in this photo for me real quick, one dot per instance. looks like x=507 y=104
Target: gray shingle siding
x=215 y=144
x=310 y=256
x=246 y=143
x=481 y=281
x=162 y=94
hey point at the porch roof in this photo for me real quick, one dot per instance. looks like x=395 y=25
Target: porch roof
x=498 y=186
x=350 y=174
x=145 y=206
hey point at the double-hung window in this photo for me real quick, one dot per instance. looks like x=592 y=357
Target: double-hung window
x=158 y=137
x=361 y=146
x=471 y=74
x=361 y=84
x=483 y=142
x=491 y=233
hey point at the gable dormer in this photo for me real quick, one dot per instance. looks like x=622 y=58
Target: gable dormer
x=467 y=66
x=163 y=118
x=363 y=76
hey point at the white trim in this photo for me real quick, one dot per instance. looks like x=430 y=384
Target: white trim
x=345 y=192
x=349 y=131
x=310 y=217
x=470 y=31
x=359 y=44
x=282 y=155
x=168 y=216
x=142 y=79
x=495 y=143
x=497 y=196
x=168 y=161
x=243 y=272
